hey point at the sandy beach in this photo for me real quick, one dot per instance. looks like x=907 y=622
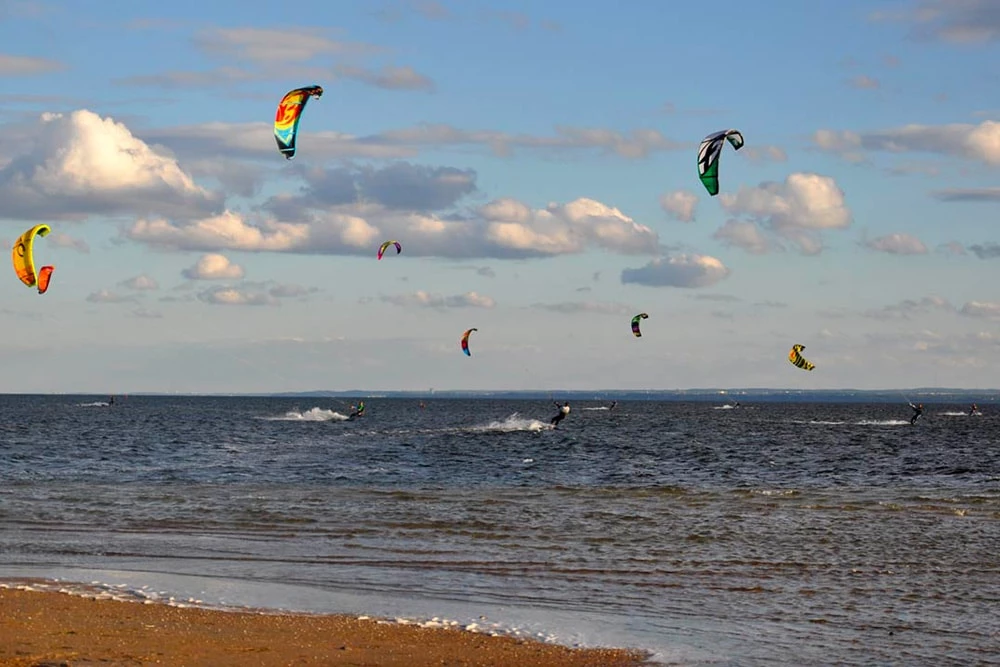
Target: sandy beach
x=55 y=629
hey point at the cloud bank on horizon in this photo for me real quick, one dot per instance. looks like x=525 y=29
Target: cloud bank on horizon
x=543 y=190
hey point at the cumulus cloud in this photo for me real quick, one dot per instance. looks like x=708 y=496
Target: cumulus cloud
x=62 y=240
x=426 y=300
x=599 y=307
x=961 y=21
x=988 y=250
x=83 y=165
x=684 y=270
x=213 y=266
x=503 y=229
x=984 y=309
x=796 y=211
x=142 y=282
x=11 y=65
x=764 y=153
x=980 y=143
x=107 y=296
x=745 y=235
x=898 y=244
x=679 y=204
x=232 y=296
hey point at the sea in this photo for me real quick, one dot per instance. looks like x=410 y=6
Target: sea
x=798 y=533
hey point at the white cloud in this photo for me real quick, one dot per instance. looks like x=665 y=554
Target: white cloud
x=898 y=244
x=141 y=282
x=980 y=143
x=746 y=235
x=504 y=229
x=83 y=165
x=686 y=270
x=213 y=267
x=427 y=300
x=266 y=46
x=107 y=296
x=679 y=204
x=764 y=153
x=984 y=309
x=952 y=248
x=27 y=65
x=795 y=210
x=61 y=240
x=231 y=296
x=388 y=77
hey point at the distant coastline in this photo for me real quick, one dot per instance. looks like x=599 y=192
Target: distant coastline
x=924 y=394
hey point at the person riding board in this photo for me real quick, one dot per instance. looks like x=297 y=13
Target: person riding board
x=973 y=410
x=917 y=411
x=358 y=411
x=563 y=411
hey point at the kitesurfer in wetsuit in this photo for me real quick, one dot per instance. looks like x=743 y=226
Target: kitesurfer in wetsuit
x=737 y=405
x=563 y=411
x=111 y=401
x=614 y=404
x=917 y=411
x=357 y=411
x=973 y=410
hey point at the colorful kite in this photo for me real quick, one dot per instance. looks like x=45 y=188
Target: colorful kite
x=23 y=258
x=385 y=245
x=286 y=120
x=798 y=360
x=708 y=157
x=465 y=342
x=635 y=324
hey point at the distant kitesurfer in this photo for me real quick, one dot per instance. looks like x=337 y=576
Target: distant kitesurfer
x=736 y=405
x=111 y=400
x=917 y=411
x=563 y=411
x=358 y=411
x=614 y=404
x=973 y=410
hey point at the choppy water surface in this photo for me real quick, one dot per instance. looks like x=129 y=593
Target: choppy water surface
x=772 y=534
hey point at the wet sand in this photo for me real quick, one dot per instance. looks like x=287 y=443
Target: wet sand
x=53 y=629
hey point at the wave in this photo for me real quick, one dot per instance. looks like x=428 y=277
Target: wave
x=310 y=415
x=95 y=404
x=512 y=424
x=952 y=413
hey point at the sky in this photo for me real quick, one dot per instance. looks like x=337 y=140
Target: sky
x=537 y=164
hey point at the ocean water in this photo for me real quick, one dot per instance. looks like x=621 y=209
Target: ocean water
x=772 y=534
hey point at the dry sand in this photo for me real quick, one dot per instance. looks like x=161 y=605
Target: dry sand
x=50 y=629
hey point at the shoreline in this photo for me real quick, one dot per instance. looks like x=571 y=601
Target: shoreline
x=64 y=628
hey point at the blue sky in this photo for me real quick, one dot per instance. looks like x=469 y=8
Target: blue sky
x=537 y=162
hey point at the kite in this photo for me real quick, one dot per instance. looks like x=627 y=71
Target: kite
x=465 y=342
x=798 y=360
x=635 y=324
x=385 y=245
x=286 y=120
x=708 y=157
x=23 y=258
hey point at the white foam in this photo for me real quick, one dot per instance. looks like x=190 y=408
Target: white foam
x=511 y=424
x=311 y=415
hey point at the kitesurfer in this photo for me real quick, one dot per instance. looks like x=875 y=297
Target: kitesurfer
x=917 y=411
x=614 y=404
x=111 y=400
x=563 y=411
x=358 y=411
x=973 y=410
x=736 y=405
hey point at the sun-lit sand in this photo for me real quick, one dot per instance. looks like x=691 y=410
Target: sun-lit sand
x=54 y=629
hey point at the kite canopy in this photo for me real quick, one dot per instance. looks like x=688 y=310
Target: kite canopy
x=465 y=342
x=635 y=324
x=23 y=259
x=286 y=120
x=798 y=360
x=385 y=245
x=708 y=157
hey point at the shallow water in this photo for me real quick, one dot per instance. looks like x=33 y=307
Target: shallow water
x=783 y=534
